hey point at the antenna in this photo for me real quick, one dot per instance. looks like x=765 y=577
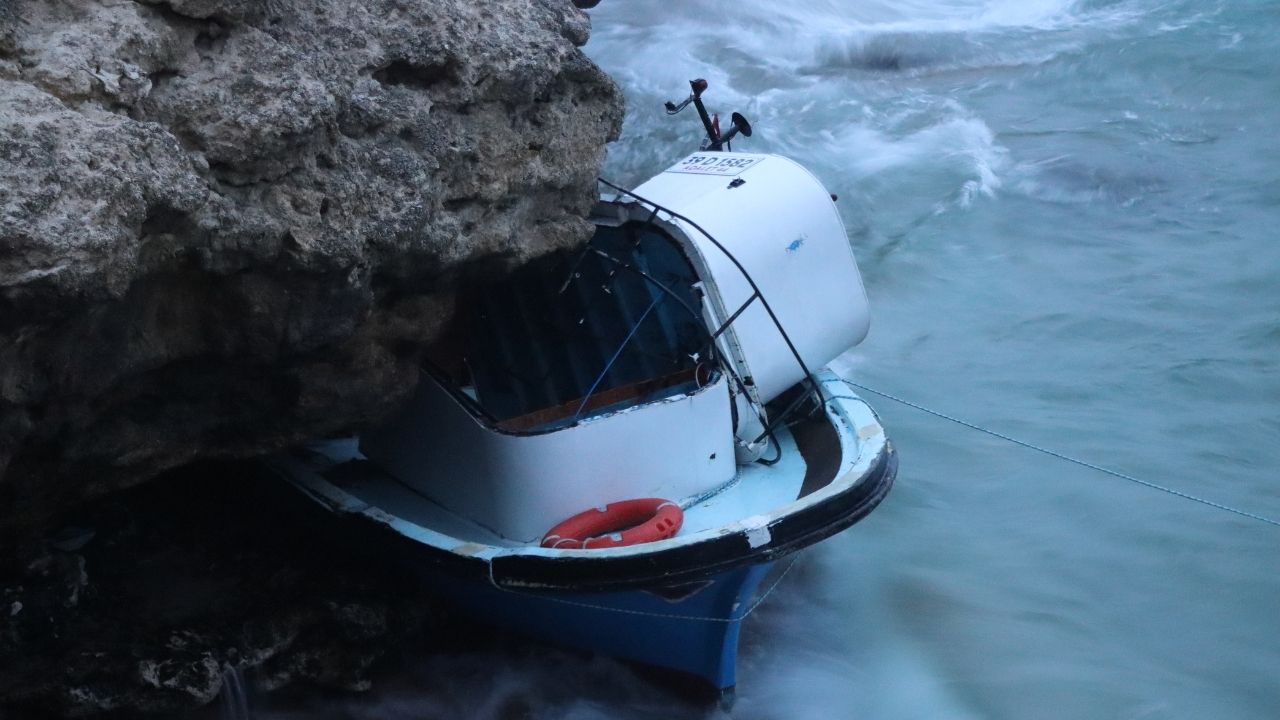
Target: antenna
x=740 y=126
x=714 y=140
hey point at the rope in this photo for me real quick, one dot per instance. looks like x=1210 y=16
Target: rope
x=609 y=365
x=1061 y=456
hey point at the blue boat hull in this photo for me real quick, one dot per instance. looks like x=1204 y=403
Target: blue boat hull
x=696 y=634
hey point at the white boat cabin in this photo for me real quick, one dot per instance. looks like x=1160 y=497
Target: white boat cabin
x=640 y=365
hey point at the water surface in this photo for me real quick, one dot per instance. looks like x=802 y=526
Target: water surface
x=1066 y=213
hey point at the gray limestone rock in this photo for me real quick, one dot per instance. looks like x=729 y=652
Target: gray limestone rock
x=227 y=226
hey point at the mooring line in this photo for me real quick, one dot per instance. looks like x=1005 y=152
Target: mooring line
x=1068 y=458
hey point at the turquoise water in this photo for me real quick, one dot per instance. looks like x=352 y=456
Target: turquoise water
x=1066 y=214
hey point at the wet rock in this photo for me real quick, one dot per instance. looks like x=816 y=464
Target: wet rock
x=214 y=568
x=227 y=226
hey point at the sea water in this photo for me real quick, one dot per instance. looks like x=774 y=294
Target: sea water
x=1068 y=218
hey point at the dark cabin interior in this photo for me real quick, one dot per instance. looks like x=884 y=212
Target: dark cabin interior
x=615 y=323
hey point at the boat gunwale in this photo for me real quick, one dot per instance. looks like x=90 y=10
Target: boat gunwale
x=867 y=469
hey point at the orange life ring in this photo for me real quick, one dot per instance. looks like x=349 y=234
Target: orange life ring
x=640 y=521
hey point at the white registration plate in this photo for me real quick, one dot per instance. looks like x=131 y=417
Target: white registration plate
x=715 y=163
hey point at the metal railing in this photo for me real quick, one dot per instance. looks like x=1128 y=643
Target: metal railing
x=756 y=294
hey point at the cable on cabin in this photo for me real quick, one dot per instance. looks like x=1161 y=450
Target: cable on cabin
x=778 y=446
x=1060 y=456
x=710 y=347
x=728 y=368
x=814 y=387
x=808 y=376
x=617 y=353
x=658 y=284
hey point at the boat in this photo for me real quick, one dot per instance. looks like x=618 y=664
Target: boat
x=611 y=447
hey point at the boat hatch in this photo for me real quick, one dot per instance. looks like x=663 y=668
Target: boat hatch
x=579 y=334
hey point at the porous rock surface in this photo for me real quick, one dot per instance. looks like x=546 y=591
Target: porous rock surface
x=227 y=226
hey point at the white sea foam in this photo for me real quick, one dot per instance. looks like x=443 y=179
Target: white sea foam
x=812 y=662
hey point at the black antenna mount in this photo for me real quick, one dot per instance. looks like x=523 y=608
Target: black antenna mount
x=711 y=123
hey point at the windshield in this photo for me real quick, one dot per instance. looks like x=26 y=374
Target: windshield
x=613 y=324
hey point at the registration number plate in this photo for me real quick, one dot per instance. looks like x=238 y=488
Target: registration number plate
x=715 y=163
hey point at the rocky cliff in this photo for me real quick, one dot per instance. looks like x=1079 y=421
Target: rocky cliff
x=227 y=226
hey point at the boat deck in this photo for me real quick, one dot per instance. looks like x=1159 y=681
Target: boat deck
x=755 y=490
